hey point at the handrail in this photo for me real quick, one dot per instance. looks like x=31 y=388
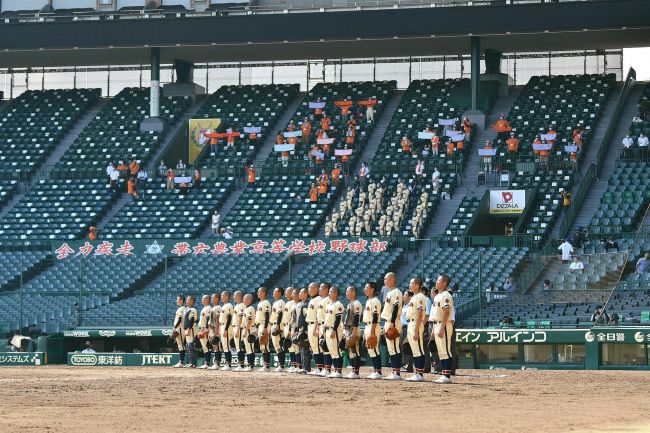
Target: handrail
x=613 y=122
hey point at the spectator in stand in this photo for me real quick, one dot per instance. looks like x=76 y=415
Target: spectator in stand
x=513 y=144
x=435 y=142
x=350 y=135
x=435 y=179
x=576 y=265
x=143 y=176
x=305 y=127
x=419 y=171
x=551 y=131
x=547 y=285
x=627 y=142
x=251 y=172
x=313 y=193
x=642 y=142
x=183 y=188
x=610 y=244
x=323 y=181
x=197 y=179
x=363 y=175
x=370 y=111
x=451 y=148
x=115 y=179
x=213 y=136
x=180 y=168
x=488 y=292
x=88 y=348
x=92 y=233
x=230 y=137
x=109 y=169
x=336 y=176
x=502 y=126
x=487 y=160
x=171 y=176
x=162 y=168
x=509 y=229
x=566 y=199
x=134 y=168
x=318 y=112
x=131 y=189
x=567 y=250
x=216 y=222
x=467 y=128
x=406 y=145
x=600 y=316
x=123 y=169
x=227 y=233
x=643 y=264
x=578 y=136
x=252 y=139
x=325 y=122
x=508 y=286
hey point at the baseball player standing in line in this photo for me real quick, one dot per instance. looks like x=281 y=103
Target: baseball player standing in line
x=352 y=319
x=333 y=323
x=325 y=300
x=177 y=328
x=312 y=327
x=237 y=320
x=215 y=331
x=371 y=314
x=225 y=323
x=285 y=325
x=204 y=330
x=277 y=329
x=248 y=322
x=189 y=328
x=262 y=323
x=391 y=315
x=415 y=328
x=443 y=329
x=302 y=325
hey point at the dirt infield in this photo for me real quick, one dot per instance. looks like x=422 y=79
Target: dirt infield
x=96 y=399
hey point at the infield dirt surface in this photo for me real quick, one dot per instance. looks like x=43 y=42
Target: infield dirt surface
x=159 y=399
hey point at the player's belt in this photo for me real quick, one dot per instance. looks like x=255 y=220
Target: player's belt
x=435 y=322
x=413 y=320
x=311 y=323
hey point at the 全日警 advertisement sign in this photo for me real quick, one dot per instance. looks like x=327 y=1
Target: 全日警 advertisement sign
x=509 y=201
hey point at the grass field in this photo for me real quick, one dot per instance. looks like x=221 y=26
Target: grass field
x=69 y=399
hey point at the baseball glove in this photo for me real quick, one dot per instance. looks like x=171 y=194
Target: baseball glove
x=392 y=334
x=406 y=349
x=285 y=343
x=175 y=333
x=215 y=340
x=322 y=344
x=351 y=341
x=275 y=330
x=371 y=341
x=342 y=344
x=251 y=338
x=264 y=339
x=203 y=334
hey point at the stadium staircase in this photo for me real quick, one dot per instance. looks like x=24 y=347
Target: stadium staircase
x=592 y=200
x=64 y=143
x=264 y=152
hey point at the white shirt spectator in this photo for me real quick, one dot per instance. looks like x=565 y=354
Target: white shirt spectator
x=115 y=175
x=216 y=220
x=142 y=175
x=227 y=234
x=577 y=266
x=566 y=249
x=363 y=171
x=642 y=141
x=110 y=169
x=88 y=350
x=628 y=142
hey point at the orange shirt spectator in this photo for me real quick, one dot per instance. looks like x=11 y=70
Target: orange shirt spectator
x=292 y=140
x=251 y=172
x=92 y=233
x=467 y=126
x=313 y=194
x=322 y=183
x=450 y=148
x=231 y=137
x=502 y=125
x=130 y=188
x=537 y=140
x=122 y=168
x=279 y=139
x=213 y=136
x=252 y=136
x=513 y=144
x=325 y=123
x=336 y=175
x=577 y=137
x=406 y=144
x=134 y=168
x=350 y=135
x=551 y=130
x=435 y=142
x=305 y=128
x=460 y=145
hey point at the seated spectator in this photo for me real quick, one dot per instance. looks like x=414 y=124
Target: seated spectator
x=551 y=131
x=600 y=316
x=507 y=285
x=547 y=285
x=610 y=244
x=613 y=320
x=88 y=348
x=576 y=265
x=578 y=136
x=227 y=233
x=507 y=321
x=162 y=168
x=325 y=122
x=131 y=189
x=197 y=179
x=123 y=169
x=183 y=188
x=170 y=179
x=109 y=169
x=305 y=127
x=406 y=144
x=643 y=264
x=92 y=233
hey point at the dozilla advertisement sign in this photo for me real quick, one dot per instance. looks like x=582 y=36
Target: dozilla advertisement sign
x=507 y=201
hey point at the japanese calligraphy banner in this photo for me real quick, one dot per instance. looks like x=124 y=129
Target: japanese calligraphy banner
x=22 y=358
x=193 y=247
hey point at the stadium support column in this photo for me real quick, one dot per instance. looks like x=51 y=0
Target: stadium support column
x=475 y=115
x=476 y=70
x=154 y=122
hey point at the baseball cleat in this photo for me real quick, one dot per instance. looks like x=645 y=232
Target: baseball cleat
x=213 y=367
x=301 y=371
x=246 y=369
x=335 y=375
x=238 y=368
x=415 y=378
x=279 y=369
x=314 y=372
x=324 y=373
x=203 y=367
x=375 y=376
x=291 y=369
x=352 y=375
x=394 y=376
x=442 y=379
x=225 y=368
x=179 y=365
x=263 y=370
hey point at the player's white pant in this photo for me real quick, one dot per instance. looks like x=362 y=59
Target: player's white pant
x=287 y=334
x=332 y=338
x=366 y=333
x=239 y=346
x=321 y=332
x=393 y=346
x=204 y=344
x=180 y=343
x=275 y=339
x=443 y=345
x=224 y=343
x=415 y=341
x=313 y=339
x=250 y=347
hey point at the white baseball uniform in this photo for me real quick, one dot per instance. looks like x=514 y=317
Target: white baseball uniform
x=333 y=323
x=312 y=324
x=277 y=322
x=225 y=325
x=373 y=307
x=442 y=302
x=391 y=314
x=262 y=318
x=416 y=308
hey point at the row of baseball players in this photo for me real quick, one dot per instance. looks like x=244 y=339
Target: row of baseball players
x=313 y=323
